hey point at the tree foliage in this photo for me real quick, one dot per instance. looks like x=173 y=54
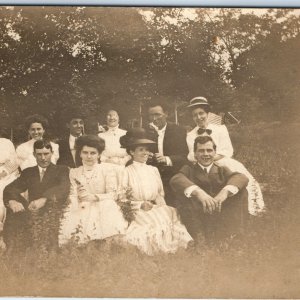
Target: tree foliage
x=56 y=58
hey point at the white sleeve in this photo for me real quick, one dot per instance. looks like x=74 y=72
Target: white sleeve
x=160 y=200
x=168 y=161
x=73 y=196
x=8 y=157
x=55 y=155
x=232 y=189
x=189 y=190
x=190 y=142
x=224 y=146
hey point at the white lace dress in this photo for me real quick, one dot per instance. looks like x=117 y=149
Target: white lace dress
x=25 y=155
x=85 y=221
x=113 y=153
x=222 y=140
x=158 y=229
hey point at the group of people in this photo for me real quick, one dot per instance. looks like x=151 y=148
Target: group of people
x=158 y=188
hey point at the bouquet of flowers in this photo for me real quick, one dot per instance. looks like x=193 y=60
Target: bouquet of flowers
x=124 y=200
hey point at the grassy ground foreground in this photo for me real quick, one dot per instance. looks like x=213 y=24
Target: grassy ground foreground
x=264 y=263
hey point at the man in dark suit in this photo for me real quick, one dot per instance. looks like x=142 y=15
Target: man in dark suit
x=171 y=148
x=37 y=218
x=67 y=151
x=212 y=199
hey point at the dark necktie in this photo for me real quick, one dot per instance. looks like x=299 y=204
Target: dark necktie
x=205 y=170
x=201 y=131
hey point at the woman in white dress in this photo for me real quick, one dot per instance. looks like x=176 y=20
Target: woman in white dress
x=93 y=213
x=199 y=108
x=113 y=153
x=36 y=125
x=156 y=226
x=8 y=173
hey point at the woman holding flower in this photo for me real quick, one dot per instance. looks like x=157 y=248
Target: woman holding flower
x=93 y=212
x=156 y=227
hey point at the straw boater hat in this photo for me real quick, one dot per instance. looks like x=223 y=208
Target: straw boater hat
x=134 y=137
x=198 y=101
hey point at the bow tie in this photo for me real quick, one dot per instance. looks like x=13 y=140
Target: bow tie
x=202 y=131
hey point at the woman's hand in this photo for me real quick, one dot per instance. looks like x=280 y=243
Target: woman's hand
x=3 y=174
x=84 y=195
x=218 y=157
x=146 y=206
x=88 y=198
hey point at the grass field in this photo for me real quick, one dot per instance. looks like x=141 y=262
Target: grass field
x=264 y=263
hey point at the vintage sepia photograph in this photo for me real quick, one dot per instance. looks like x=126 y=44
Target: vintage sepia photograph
x=149 y=152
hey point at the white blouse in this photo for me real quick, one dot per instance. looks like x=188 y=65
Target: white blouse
x=113 y=153
x=8 y=157
x=145 y=182
x=102 y=181
x=25 y=155
x=219 y=135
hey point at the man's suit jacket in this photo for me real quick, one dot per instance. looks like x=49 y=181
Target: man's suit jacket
x=211 y=183
x=65 y=155
x=217 y=225
x=174 y=146
x=55 y=183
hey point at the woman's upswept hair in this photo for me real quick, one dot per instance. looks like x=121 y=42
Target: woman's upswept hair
x=90 y=140
x=36 y=118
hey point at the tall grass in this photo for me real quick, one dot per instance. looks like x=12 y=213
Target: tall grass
x=263 y=263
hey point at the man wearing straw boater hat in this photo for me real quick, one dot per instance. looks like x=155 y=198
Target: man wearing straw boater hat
x=171 y=149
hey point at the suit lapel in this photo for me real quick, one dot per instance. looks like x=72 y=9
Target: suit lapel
x=49 y=174
x=36 y=175
x=68 y=149
x=200 y=174
x=214 y=169
x=69 y=155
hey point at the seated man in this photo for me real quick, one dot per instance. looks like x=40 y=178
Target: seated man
x=67 y=151
x=37 y=218
x=212 y=199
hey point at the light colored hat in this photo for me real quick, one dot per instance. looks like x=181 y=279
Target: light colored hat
x=198 y=101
